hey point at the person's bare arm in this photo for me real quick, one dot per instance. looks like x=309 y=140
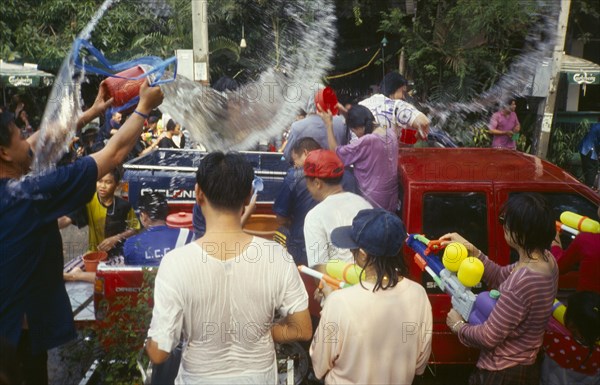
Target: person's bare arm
x=64 y=221
x=102 y=102
x=123 y=141
x=110 y=242
x=156 y=355
x=421 y=124
x=294 y=327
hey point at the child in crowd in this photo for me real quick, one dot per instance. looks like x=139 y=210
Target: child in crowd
x=573 y=357
x=110 y=218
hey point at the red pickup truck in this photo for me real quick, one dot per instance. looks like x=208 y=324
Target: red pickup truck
x=442 y=190
x=461 y=190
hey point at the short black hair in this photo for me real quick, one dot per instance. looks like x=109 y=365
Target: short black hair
x=391 y=83
x=360 y=116
x=307 y=143
x=583 y=313
x=6 y=118
x=529 y=217
x=171 y=125
x=116 y=173
x=225 y=179
x=155 y=205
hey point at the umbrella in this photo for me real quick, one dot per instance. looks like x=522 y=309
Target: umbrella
x=23 y=75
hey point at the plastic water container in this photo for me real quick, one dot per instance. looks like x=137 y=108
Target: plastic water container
x=327 y=100
x=181 y=220
x=123 y=90
x=408 y=136
x=484 y=304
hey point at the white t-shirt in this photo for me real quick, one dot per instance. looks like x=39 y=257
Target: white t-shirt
x=390 y=112
x=373 y=338
x=225 y=310
x=334 y=211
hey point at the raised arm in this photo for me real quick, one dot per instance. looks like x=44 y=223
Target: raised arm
x=123 y=141
x=328 y=120
x=102 y=102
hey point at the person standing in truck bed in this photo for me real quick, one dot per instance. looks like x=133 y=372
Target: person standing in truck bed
x=35 y=312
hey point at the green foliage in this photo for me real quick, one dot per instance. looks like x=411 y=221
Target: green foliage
x=458 y=48
x=123 y=333
x=563 y=145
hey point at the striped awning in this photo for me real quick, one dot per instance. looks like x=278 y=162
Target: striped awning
x=580 y=71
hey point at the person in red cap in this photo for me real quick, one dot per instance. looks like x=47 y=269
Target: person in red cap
x=323 y=171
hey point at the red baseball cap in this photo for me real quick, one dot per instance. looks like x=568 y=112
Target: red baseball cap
x=323 y=164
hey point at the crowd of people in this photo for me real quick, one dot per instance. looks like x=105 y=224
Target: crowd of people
x=223 y=297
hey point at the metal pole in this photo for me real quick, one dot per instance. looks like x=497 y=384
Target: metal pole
x=200 y=40
x=557 y=56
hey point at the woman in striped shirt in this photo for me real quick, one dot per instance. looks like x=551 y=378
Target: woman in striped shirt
x=511 y=337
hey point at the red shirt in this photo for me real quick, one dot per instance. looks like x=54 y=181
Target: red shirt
x=570 y=354
x=585 y=250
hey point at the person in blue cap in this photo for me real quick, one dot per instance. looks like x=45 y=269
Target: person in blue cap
x=385 y=315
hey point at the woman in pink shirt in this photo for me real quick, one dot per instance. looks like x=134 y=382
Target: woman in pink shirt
x=504 y=126
x=511 y=337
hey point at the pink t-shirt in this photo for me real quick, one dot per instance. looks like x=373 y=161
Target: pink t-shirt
x=375 y=160
x=504 y=123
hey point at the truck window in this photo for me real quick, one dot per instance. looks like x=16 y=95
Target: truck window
x=462 y=212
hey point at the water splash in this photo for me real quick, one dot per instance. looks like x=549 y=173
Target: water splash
x=518 y=81
x=63 y=109
x=263 y=108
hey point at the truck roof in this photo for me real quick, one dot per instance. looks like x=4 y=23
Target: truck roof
x=477 y=165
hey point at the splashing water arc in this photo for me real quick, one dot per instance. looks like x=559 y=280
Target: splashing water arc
x=236 y=120
x=63 y=109
x=261 y=109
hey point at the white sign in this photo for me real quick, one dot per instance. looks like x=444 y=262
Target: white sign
x=547 y=122
x=200 y=72
x=584 y=78
x=20 y=81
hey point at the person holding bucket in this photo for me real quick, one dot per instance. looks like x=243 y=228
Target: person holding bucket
x=35 y=312
x=374 y=156
x=390 y=110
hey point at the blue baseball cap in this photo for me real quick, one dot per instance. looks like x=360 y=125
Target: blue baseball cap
x=377 y=231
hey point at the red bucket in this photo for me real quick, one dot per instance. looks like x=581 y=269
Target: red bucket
x=408 y=135
x=123 y=90
x=92 y=258
x=327 y=100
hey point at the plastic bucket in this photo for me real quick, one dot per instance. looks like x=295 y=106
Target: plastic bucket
x=262 y=225
x=408 y=135
x=123 y=90
x=327 y=100
x=92 y=258
x=181 y=220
